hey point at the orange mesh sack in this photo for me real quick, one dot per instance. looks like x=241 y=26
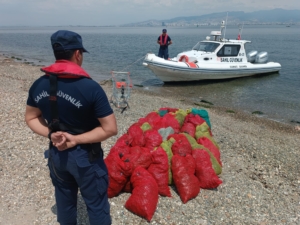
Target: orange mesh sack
x=144 y=197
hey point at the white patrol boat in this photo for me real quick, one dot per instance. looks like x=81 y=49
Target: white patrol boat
x=213 y=58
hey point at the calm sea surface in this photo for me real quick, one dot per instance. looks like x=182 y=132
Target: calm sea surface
x=122 y=49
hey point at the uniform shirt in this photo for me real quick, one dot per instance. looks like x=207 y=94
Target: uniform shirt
x=163 y=41
x=80 y=101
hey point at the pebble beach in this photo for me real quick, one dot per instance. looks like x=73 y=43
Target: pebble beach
x=261 y=181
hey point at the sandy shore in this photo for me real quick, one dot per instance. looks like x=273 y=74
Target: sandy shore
x=261 y=181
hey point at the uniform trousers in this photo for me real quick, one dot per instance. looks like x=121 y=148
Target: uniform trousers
x=163 y=53
x=71 y=170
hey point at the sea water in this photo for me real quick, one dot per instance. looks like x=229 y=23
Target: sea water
x=123 y=49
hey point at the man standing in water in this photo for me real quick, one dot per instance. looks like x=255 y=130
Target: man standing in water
x=73 y=111
x=164 y=41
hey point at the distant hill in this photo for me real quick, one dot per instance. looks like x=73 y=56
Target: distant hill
x=275 y=16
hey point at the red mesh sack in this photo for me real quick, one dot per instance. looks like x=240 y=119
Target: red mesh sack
x=190 y=164
x=152 y=118
x=124 y=140
x=181 y=146
x=152 y=139
x=194 y=119
x=127 y=187
x=159 y=169
x=141 y=121
x=210 y=145
x=187 y=184
x=118 y=173
x=138 y=156
x=165 y=146
x=169 y=109
x=136 y=133
x=121 y=150
x=204 y=170
x=144 y=197
x=188 y=128
x=169 y=120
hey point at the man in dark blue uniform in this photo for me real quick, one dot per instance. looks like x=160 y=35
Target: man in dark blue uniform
x=164 y=41
x=85 y=118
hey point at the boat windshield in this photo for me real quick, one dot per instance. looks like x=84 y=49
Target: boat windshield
x=206 y=46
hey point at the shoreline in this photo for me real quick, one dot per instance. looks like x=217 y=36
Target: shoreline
x=260 y=164
x=237 y=113
x=209 y=101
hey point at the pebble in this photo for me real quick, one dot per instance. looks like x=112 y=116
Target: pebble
x=260 y=165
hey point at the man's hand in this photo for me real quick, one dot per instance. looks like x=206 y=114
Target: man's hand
x=108 y=128
x=63 y=140
x=59 y=140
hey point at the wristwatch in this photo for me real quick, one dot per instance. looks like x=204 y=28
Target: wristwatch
x=49 y=135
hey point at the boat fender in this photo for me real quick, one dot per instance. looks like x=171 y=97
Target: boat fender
x=183 y=58
x=192 y=65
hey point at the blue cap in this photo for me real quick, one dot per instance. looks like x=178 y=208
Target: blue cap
x=66 y=40
x=164 y=30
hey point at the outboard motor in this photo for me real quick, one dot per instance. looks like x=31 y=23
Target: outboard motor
x=262 y=57
x=251 y=56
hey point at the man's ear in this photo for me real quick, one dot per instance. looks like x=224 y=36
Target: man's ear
x=78 y=55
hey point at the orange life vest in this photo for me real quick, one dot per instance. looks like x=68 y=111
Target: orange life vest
x=65 y=69
x=165 y=41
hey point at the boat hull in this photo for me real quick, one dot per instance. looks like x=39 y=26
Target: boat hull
x=170 y=71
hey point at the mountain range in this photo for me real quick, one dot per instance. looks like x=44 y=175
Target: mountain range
x=275 y=16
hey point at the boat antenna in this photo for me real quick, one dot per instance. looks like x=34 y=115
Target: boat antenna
x=222 y=27
x=225 y=26
x=240 y=32
x=242 y=28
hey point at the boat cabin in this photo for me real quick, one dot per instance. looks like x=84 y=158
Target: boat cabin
x=222 y=50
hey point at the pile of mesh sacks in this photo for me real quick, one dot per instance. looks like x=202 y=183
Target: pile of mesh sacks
x=167 y=147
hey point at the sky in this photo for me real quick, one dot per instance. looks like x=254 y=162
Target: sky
x=118 y=12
